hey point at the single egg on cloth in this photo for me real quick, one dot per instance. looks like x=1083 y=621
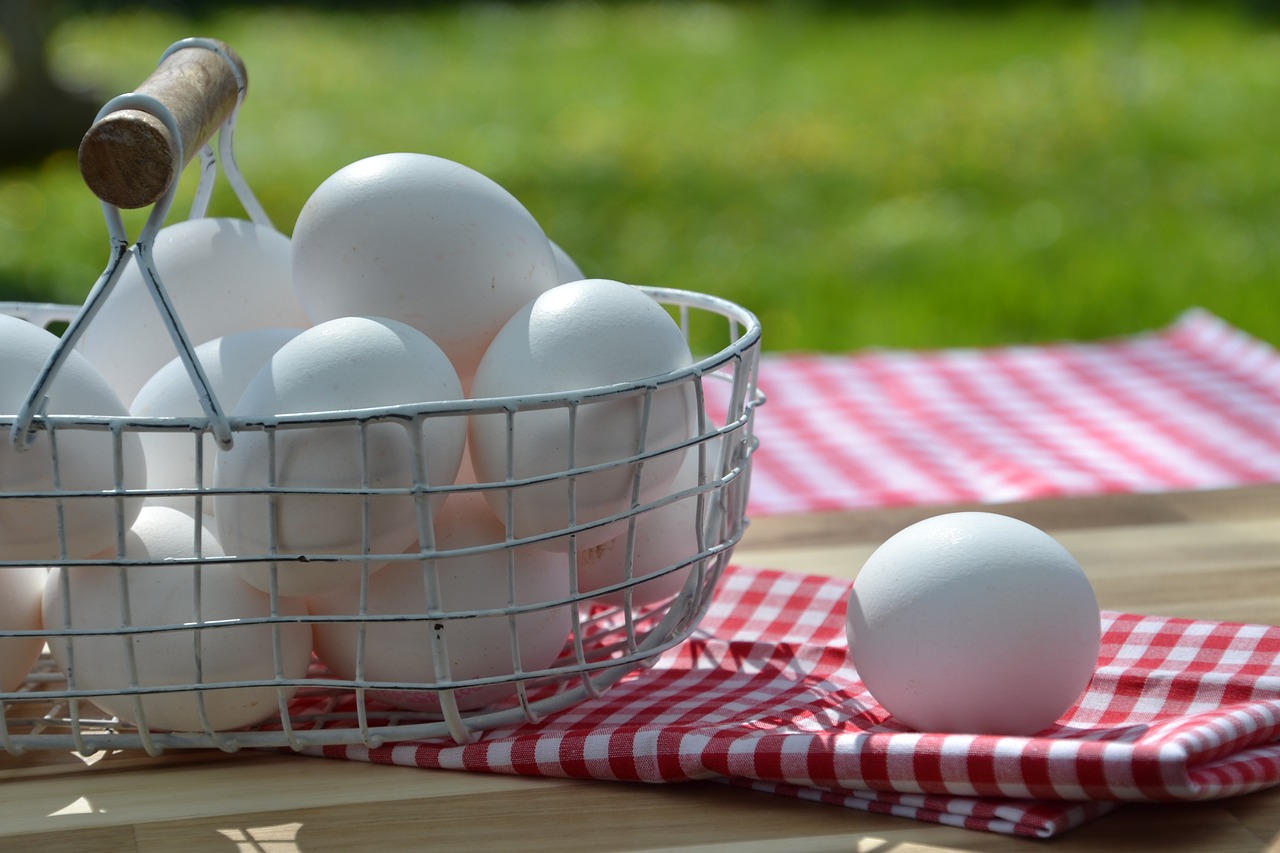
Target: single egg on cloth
x=21 y=591
x=974 y=623
x=339 y=365
x=422 y=240
x=229 y=363
x=577 y=336
x=222 y=276
x=29 y=526
x=478 y=647
x=164 y=594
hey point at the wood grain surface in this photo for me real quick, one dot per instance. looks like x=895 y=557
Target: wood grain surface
x=1213 y=555
x=129 y=158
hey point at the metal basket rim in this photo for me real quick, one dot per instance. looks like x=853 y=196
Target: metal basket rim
x=746 y=340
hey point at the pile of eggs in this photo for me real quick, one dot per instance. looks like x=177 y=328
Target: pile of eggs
x=409 y=279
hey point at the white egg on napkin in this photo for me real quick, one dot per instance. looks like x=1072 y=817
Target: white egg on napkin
x=973 y=623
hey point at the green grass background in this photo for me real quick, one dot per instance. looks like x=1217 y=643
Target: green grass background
x=906 y=179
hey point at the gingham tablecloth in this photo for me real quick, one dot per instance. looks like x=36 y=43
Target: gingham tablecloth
x=1192 y=406
x=764 y=696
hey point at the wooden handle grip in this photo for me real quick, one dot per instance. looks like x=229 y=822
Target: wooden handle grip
x=129 y=157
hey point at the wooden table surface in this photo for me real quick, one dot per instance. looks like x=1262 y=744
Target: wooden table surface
x=1211 y=555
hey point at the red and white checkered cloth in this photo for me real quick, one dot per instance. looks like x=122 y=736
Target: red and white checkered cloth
x=764 y=696
x=1196 y=405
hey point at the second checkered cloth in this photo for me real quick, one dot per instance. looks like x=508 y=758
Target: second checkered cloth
x=1193 y=406
x=765 y=697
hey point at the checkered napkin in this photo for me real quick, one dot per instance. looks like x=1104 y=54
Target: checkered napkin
x=764 y=697
x=1192 y=406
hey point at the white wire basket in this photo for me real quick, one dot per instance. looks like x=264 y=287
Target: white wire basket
x=613 y=630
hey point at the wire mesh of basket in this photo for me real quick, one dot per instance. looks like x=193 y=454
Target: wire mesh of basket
x=496 y=630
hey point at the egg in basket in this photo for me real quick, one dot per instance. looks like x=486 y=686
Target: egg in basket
x=404 y=474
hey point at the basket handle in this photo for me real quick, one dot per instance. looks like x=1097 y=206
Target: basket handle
x=130 y=157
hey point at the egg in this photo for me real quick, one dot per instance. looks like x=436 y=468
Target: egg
x=21 y=591
x=577 y=336
x=156 y=594
x=665 y=537
x=343 y=364
x=29 y=526
x=223 y=275
x=423 y=240
x=974 y=623
x=229 y=363
x=567 y=268
x=478 y=647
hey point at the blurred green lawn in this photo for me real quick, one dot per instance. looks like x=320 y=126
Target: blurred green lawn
x=908 y=179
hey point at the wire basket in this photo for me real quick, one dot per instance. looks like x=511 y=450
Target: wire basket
x=610 y=629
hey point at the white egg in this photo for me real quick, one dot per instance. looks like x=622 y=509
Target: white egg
x=29 y=527
x=423 y=240
x=21 y=589
x=229 y=363
x=158 y=594
x=566 y=267
x=664 y=538
x=577 y=336
x=478 y=647
x=348 y=363
x=974 y=623
x=222 y=275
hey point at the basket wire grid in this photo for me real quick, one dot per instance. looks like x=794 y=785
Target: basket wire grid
x=605 y=643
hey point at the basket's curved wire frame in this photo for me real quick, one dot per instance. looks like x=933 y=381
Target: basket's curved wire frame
x=602 y=650
x=605 y=645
